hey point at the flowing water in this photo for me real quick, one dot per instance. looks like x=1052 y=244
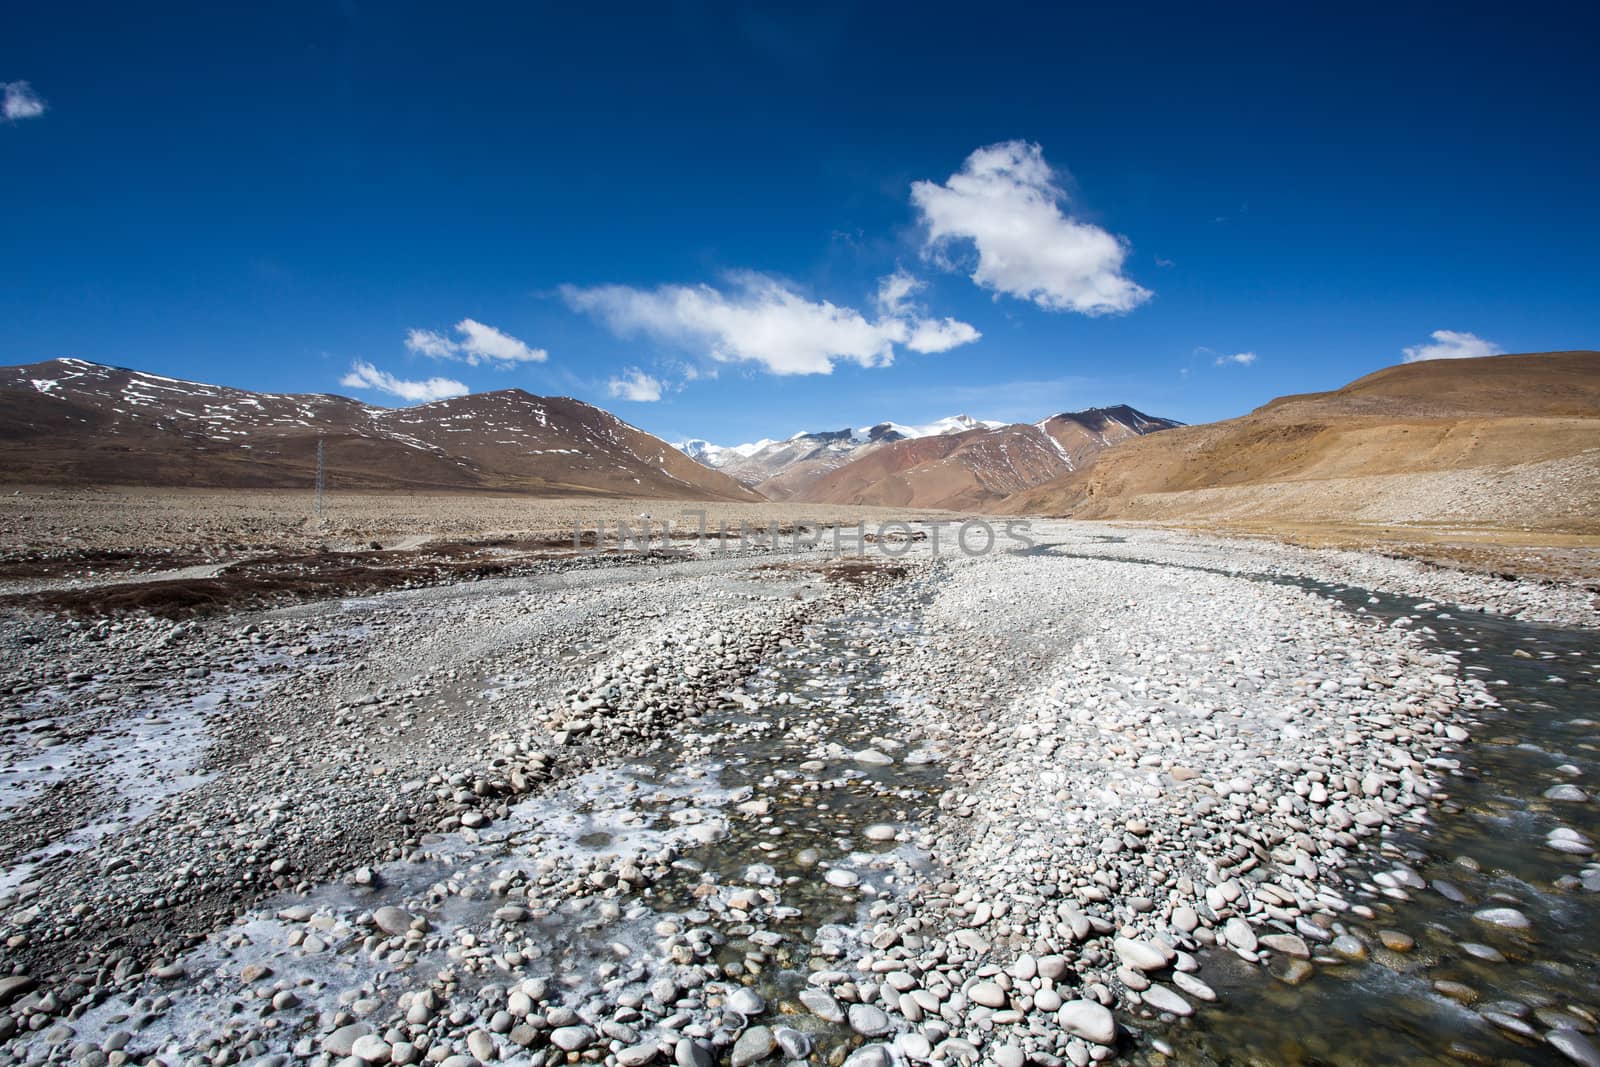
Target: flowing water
x=785 y=815
x=1469 y=991
x=782 y=816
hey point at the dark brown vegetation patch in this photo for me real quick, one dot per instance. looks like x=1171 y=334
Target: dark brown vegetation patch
x=44 y=564
x=275 y=580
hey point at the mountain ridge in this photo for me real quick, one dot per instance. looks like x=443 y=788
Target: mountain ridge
x=1499 y=440
x=822 y=466
x=70 y=421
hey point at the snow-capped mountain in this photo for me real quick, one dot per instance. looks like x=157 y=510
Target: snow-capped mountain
x=717 y=456
x=975 y=469
x=953 y=424
x=958 y=461
x=810 y=453
x=68 y=421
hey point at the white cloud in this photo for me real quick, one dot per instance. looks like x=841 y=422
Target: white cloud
x=761 y=320
x=930 y=335
x=1007 y=202
x=894 y=292
x=1452 y=344
x=635 y=385
x=20 y=102
x=364 y=375
x=1243 y=359
x=428 y=343
x=479 y=344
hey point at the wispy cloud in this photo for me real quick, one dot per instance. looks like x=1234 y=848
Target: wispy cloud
x=1452 y=344
x=364 y=375
x=635 y=385
x=894 y=292
x=20 y=102
x=1238 y=359
x=478 y=343
x=759 y=319
x=1007 y=201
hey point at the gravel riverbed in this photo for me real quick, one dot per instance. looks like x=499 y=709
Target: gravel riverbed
x=1008 y=808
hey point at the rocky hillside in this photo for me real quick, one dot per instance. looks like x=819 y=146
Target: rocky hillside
x=69 y=422
x=974 y=469
x=1509 y=441
x=782 y=469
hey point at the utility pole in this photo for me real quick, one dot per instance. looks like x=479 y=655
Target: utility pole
x=319 y=503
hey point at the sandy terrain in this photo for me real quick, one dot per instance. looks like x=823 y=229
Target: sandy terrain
x=229 y=521
x=1508 y=445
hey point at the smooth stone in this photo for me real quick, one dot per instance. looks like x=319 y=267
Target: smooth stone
x=342 y=1042
x=371 y=1048
x=1349 y=946
x=638 y=1055
x=822 y=1005
x=1483 y=952
x=481 y=1045
x=1186 y=920
x=869 y=1021
x=1140 y=955
x=1161 y=998
x=871 y=757
x=881 y=831
x=1575 y=1047
x=915 y=1046
x=1508 y=918
x=1291 y=970
x=746 y=1001
x=753 y=1046
x=1193 y=986
x=987 y=994
x=14 y=986
x=841 y=878
x=794 y=1044
x=1510 y=1023
x=1009 y=1055
x=572 y=1038
x=1137 y=981
x=870 y=1056
x=957 y=1050
x=1089 y=1020
x=1025 y=967
x=1566 y=791
x=690 y=1053
x=1395 y=941
x=1239 y=934
x=393 y=921
x=1288 y=944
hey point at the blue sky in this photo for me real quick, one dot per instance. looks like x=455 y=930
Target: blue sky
x=1074 y=207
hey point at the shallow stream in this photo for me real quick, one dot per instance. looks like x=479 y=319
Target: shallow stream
x=1468 y=990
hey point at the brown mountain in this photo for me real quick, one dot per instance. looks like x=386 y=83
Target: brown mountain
x=1504 y=440
x=972 y=470
x=69 y=422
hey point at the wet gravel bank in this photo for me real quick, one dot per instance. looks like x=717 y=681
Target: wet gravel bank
x=1012 y=808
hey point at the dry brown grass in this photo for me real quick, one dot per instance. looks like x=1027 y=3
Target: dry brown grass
x=41 y=526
